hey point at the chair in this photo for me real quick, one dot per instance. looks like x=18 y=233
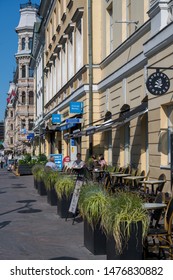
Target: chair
x=152 y=196
x=162 y=236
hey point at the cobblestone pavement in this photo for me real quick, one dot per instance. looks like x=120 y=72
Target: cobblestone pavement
x=30 y=228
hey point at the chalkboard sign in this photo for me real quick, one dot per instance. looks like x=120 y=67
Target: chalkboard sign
x=75 y=197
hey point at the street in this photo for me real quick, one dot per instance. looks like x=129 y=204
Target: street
x=30 y=228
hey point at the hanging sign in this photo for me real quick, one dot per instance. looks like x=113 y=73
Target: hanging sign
x=76 y=107
x=158 y=83
x=56 y=118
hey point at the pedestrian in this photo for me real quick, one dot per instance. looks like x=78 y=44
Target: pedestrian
x=2 y=161
x=102 y=162
x=78 y=162
x=51 y=164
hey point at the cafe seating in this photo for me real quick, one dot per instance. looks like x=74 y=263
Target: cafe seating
x=161 y=237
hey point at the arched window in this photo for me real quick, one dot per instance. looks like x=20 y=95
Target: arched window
x=23 y=71
x=30 y=43
x=31 y=98
x=23 y=97
x=23 y=43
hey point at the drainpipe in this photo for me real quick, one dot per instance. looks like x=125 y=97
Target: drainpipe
x=90 y=52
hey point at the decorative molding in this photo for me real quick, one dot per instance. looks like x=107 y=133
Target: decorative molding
x=78 y=14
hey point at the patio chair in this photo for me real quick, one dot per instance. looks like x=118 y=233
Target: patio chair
x=159 y=189
x=161 y=237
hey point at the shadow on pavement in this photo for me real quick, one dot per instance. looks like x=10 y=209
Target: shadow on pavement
x=4 y=224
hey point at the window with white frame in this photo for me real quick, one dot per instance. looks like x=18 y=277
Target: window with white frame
x=64 y=64
x=79 y=46
x=70 y=56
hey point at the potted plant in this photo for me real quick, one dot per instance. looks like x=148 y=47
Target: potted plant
x=92 y=201
x=25 y=165
x=40 y=181
x=125 y=223
x=64 y=188
x=50 y=177
x=35 y=170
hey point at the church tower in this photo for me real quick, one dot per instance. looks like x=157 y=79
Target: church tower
x=24 y=113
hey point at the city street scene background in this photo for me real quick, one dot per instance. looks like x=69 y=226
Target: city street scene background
x=89 y=110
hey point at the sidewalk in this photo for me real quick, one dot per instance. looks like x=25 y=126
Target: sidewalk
x=30 y=228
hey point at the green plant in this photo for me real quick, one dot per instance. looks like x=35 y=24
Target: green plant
x=36 y=169
x=50 y=177
x=110 y=168
x=64 y=186
x=92 y=201
x=123 y=209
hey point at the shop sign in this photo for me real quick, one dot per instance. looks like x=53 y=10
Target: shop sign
x=58 y=160
x=56 y=118
x=76 y=107
x=74 y=120
x=158 y=83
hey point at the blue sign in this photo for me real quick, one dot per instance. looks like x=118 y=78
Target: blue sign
x=72 y=142
x=56 y=118
x=30 y=136
x=74 y=120
x=58 y=160
x=76 y=107
x=66 y=126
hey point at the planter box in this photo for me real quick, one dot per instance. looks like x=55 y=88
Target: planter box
x=94 y=239
x=35 y=184
x=25 y=169
x=52 y=197
x=133 y=250
x=63 y=207
x=41 y=188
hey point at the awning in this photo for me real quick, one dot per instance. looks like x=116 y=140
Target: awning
x=125 y=118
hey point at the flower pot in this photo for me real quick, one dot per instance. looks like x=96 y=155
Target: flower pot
x=94 y=239
x=25 y=169
x=41 y=188
x=132 y=249
x=51 y=197
x=35 y=183
x=63 y=207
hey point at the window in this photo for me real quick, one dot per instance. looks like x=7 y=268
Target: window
x=23 y=97
x=11 y=140
x=31 y=98
x=23 y=124
x=31 y=73
x=30 y=43
x=23 y=44
x=30 y=124
x=23 y=71
x=11 y=114
x=11 y=126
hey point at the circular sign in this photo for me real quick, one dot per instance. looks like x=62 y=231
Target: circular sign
x=158 y=83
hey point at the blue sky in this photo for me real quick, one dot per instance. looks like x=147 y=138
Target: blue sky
x=9 y=19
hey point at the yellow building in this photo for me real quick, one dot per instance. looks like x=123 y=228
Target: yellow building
x=100 y=54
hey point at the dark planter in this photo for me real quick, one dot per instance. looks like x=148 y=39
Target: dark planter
x=35 y=184
x=133 y=250
x=41 y=188
x=25 y=169
x=63 y=207
x=94 y=239
x=52 y=197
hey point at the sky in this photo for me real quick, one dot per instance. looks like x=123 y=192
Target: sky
x=9 y=19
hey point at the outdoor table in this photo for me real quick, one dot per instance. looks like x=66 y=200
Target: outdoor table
x=153 y=206
x=121 y=176
x=133 y=179
x=151 y=183
x=100 y=173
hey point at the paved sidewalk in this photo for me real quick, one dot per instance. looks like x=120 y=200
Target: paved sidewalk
x=30 y=228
